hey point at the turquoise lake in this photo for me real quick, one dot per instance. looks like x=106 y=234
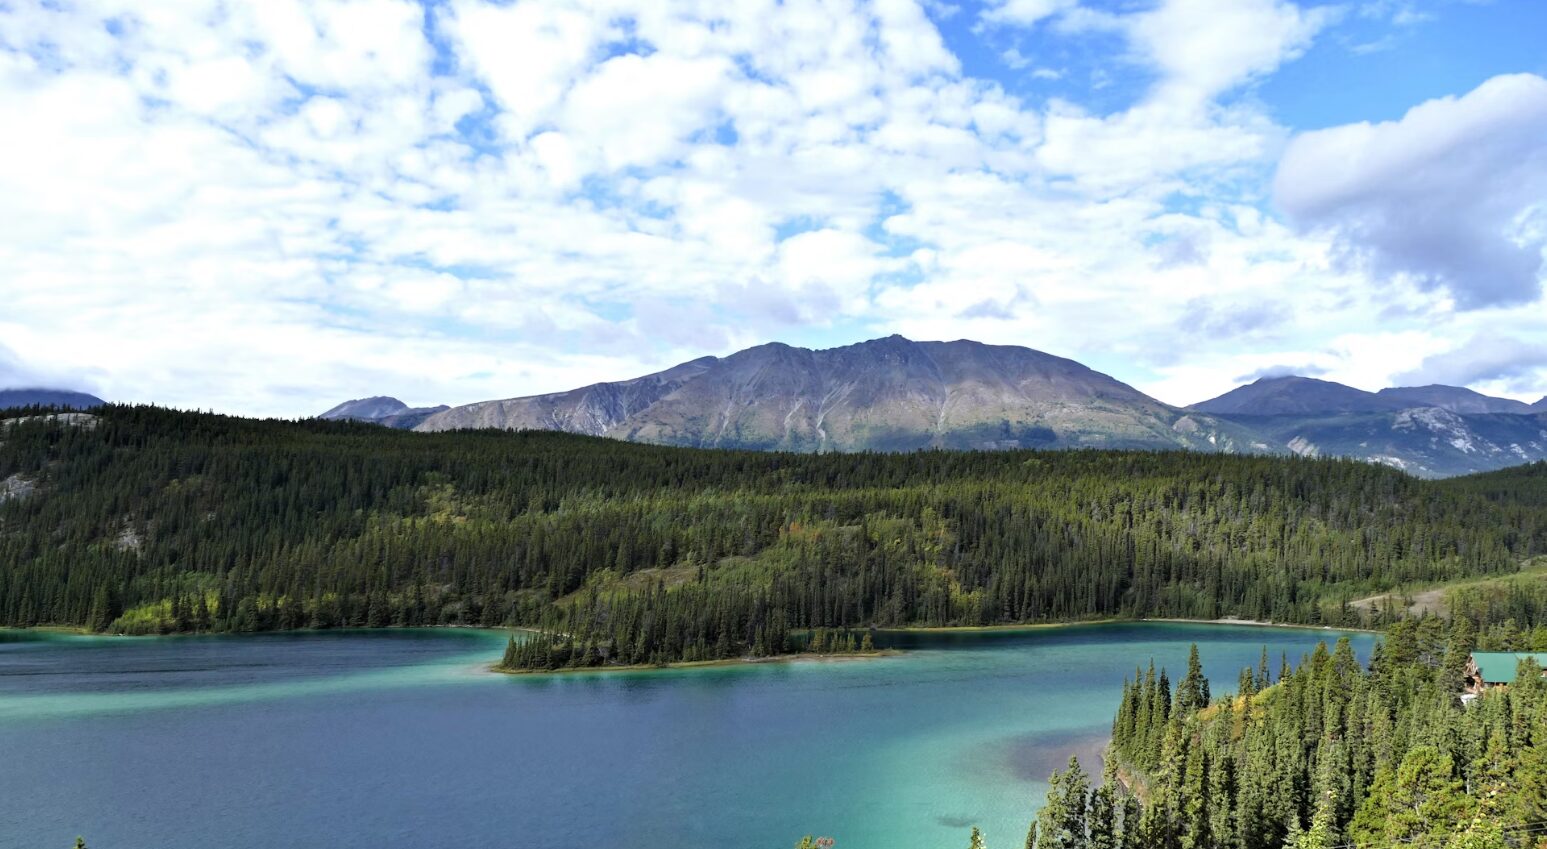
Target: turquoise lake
x=400 y=739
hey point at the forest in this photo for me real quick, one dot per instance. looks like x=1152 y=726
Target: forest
x=1331 y=753
x=147 y=520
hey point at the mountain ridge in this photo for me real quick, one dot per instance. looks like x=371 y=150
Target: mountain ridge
x=897 y=394
x=1296 y=395
x=890 y=393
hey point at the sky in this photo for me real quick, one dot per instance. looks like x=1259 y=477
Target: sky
x=266 y=208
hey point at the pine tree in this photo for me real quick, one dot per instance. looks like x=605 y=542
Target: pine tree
x=1192 y=693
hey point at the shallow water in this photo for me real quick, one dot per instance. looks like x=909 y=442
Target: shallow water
x=397 y=739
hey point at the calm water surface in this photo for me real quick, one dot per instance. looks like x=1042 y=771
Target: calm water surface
x=397 y=739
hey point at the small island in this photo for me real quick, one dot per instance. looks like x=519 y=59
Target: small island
x=553 y=651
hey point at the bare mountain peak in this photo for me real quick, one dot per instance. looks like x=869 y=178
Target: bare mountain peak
x=887 y=393
x=366 y=409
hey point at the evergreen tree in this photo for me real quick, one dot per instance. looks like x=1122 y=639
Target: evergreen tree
x=1192 y=693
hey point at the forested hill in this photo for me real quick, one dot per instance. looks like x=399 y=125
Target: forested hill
x=142 y=519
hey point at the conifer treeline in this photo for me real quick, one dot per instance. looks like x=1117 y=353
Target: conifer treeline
x=156 y=521
x=1329 y=754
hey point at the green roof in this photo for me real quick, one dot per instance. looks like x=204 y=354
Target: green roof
x=1498 y=667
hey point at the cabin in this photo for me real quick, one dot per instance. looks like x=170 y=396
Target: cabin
x=1488 y=669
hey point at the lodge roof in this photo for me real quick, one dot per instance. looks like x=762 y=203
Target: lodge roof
x=1498 y=667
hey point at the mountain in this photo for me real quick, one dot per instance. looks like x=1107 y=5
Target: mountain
x=382 y=410
x=884 y=394
x=1430 y=431
x=1456 y=399
x=1540 y=406
x=895 y=394
x=1294 y=396
x=1425 y=441
x=11 y=398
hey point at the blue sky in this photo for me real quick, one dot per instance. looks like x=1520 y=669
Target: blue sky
x=267 y=208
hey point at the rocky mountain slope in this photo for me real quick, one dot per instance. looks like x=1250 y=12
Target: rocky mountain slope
x=884 y=394
x=1426 y=441
x=895 y=394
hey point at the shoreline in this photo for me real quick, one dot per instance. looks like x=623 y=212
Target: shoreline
x=1258 y=623
x=1037 y=626
x=795 y=657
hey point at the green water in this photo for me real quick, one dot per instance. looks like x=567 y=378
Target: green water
x=399 y=739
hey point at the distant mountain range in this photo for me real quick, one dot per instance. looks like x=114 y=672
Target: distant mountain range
x=382 y=410
x=13 y=398
x=1292 y=396
x=895 y=394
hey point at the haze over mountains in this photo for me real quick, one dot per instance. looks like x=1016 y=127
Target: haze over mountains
x=895 y=394
x=31 y=396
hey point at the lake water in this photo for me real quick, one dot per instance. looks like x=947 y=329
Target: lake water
x=398 y=739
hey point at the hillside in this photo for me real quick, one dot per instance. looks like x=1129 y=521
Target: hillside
x=1333 y=752
x=153 y=520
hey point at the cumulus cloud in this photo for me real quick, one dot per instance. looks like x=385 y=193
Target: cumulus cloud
x=267 y=208
x=1205 y=47
x=1450 y=196
x=1199 y=51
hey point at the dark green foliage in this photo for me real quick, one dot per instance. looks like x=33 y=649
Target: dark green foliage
x=162 y=521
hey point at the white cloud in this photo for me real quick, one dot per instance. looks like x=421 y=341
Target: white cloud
x=268 y=208
x=1205 y=47
x=1025 y=12
x=1450 y=195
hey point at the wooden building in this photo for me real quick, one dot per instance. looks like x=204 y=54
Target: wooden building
x=1493 y=668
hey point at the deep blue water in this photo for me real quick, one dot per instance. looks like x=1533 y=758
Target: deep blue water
x=398 y=739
